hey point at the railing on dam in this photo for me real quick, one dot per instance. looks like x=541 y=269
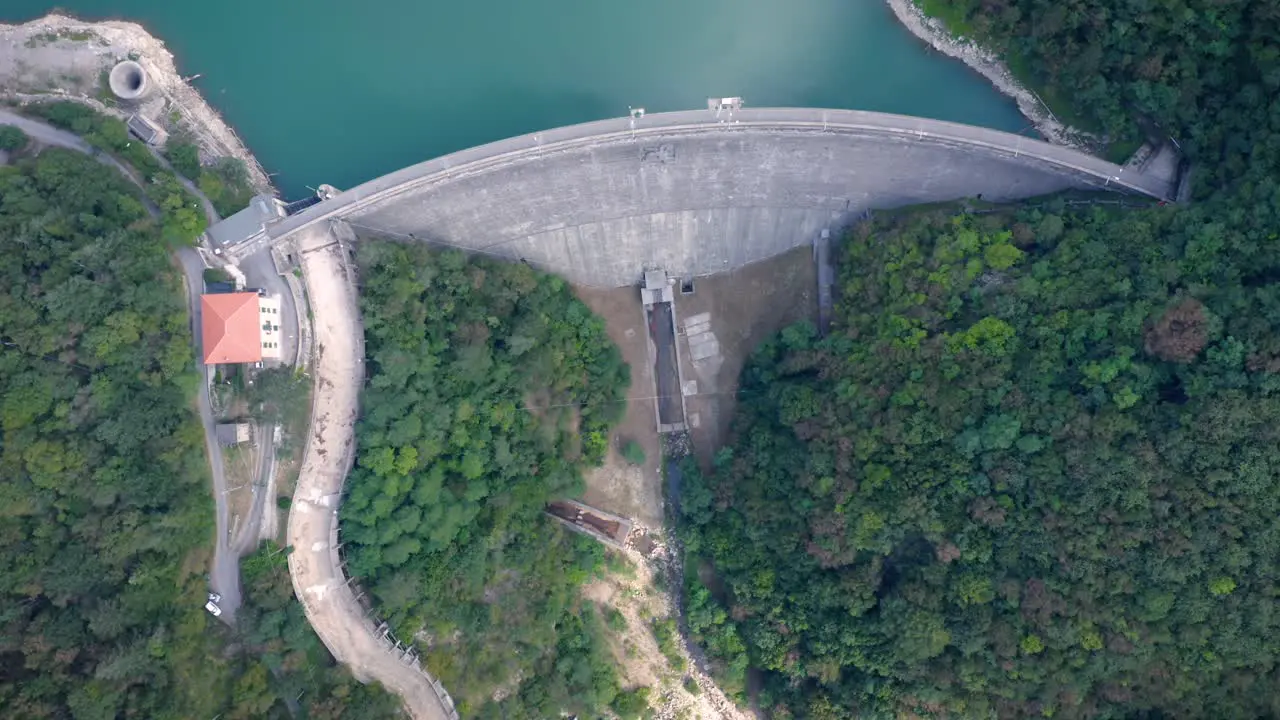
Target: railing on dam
x=835 y=122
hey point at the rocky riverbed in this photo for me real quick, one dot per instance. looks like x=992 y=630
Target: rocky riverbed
x=59 y=57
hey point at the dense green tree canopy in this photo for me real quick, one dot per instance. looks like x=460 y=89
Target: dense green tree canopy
x=103 y=495
x=182 y=220
x=1034 y=469
x=1206 y=72
x=12 y=138
x=105 y=516
x=491 y=388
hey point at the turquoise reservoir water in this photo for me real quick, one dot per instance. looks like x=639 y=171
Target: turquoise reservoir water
x=339 y=91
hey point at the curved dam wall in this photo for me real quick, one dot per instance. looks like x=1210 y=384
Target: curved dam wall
x=697 y=193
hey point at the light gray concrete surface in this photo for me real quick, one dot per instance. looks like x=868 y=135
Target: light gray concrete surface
x=696 y=193
x=315 y=565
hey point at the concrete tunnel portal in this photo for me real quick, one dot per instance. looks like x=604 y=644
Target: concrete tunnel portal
x=697 y=193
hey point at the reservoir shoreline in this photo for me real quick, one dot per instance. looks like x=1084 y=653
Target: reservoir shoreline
x=990 y=66
x=325 y=151
x=57 y=57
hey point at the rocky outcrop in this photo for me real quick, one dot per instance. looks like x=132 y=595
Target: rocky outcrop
x=60 y=57
x=990 y=66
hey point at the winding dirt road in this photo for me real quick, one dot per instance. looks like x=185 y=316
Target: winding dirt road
x=314 y=564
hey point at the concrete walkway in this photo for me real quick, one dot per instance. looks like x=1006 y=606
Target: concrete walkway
x=831 y=124
x=314 y=564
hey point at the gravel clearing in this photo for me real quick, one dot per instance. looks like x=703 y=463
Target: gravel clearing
x=59 y=57
x=989 y=65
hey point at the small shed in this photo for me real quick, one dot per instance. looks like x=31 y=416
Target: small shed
x=229 y=434
x=147 y=130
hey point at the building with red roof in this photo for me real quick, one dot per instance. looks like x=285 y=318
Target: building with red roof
x=241 y=327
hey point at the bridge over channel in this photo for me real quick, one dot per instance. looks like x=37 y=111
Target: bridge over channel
x=699 y=192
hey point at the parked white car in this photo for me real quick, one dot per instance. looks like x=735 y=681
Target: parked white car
x=213 y=608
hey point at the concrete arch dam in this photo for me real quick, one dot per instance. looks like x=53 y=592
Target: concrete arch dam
x=697 y=193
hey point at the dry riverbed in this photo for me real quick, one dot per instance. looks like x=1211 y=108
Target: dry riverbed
x=642 y=629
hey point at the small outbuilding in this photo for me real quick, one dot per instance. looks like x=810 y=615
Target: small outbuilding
x=229 y=434
x=147 y=130
x=656 y=288
x=249 y=224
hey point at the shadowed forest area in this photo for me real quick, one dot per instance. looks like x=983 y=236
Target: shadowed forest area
x=105 y=515
x=491 y=388
x=1033 y=469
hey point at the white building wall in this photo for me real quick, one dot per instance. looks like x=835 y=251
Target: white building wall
x=271 y=334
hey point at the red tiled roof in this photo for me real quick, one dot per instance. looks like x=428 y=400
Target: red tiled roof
x=230 y=331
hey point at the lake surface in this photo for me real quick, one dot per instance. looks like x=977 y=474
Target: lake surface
x=338 y=91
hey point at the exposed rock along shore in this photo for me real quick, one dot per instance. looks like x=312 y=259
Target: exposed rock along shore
x=61 y=57
x=67 y=47
x=990 y=66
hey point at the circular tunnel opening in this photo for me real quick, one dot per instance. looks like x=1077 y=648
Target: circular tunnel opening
x=128 y=80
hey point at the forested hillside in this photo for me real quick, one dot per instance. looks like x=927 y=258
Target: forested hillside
x=491 y=388
x=1205 y=72
x=1033 y=470
x=104 y=505
x=105 y=515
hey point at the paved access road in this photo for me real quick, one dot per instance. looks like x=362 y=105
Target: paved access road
x=50 y=135
x=224 y=577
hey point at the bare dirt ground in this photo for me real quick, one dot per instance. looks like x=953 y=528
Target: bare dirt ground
x=65 y=58
x=746 y=306
x=618 y=486
x=241 y=463
x=738 y=310
x=635 y=595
